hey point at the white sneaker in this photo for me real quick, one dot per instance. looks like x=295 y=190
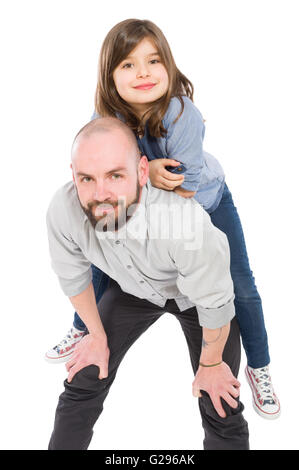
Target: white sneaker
x=265 y=402
x=63 y=350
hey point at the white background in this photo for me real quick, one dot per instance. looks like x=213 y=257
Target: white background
x=242 y=57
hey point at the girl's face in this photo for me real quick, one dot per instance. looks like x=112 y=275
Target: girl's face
x=141 y=78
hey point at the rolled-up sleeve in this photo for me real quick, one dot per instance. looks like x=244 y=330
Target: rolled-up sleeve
x=68 y=261
x=184 y=140
x=203 y=266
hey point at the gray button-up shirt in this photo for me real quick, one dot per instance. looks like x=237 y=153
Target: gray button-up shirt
x=169 y=249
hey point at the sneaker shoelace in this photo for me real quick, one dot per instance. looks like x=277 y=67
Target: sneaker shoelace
x=265 y=388
x=67 y=340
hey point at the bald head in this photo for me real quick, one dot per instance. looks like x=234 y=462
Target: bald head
x=107 y=168
x=105 y=125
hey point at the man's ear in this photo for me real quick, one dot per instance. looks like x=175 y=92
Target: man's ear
x=143 y=170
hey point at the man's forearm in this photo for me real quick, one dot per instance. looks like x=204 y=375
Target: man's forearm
x=213 y=343
x=86 y=307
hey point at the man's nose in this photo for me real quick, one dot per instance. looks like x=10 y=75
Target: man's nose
x=102 y=192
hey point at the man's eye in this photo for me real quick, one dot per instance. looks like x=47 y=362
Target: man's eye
x=116 y=176
x=86 y=179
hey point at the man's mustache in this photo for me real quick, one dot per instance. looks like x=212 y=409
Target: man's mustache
x=105 y=204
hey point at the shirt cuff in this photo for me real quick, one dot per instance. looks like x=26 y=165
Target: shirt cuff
x=213 y=318
x=75 y=286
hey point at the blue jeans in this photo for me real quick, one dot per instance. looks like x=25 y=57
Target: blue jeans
x=248 y=303
x=100 y=282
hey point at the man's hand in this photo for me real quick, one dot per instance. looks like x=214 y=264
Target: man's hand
x=162 y=178
x=90 y=350
x=218 y=382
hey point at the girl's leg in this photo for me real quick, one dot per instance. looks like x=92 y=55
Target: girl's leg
x=248 y=303
x=100 y=281
x=249 y=312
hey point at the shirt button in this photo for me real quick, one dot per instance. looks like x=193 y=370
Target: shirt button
x=117 y=242
x=153 y=295
x=129 y=266
x=141 y=282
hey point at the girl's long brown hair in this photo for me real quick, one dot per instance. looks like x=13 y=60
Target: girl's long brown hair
x=118 y=44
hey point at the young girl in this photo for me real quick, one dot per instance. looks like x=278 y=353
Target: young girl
x=139 y=83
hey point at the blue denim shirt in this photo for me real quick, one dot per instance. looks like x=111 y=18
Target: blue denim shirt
x=184 y=143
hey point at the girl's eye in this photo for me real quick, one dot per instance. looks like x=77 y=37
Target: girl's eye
x=129 y=64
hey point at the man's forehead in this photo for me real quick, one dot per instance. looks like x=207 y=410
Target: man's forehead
x=102 y=139
x=104 y=152
x=103 y=165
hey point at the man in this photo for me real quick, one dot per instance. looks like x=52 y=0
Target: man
x=110 y=216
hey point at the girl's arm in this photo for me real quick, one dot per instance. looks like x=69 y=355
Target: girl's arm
x=184 y=141
x=184 y=145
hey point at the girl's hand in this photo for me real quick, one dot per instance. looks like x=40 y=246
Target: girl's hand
x=162 y=178
x=184 y=192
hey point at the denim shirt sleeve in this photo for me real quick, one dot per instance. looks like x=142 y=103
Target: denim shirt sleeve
x=184 y=140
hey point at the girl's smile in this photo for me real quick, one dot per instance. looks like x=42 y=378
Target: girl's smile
x=146 y=86
x=141 y=78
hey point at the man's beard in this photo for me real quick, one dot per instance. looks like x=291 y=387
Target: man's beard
x=110 y=221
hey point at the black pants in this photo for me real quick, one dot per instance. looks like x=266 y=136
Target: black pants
x=125 y=317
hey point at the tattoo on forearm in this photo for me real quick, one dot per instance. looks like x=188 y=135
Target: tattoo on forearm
x=206 y=343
